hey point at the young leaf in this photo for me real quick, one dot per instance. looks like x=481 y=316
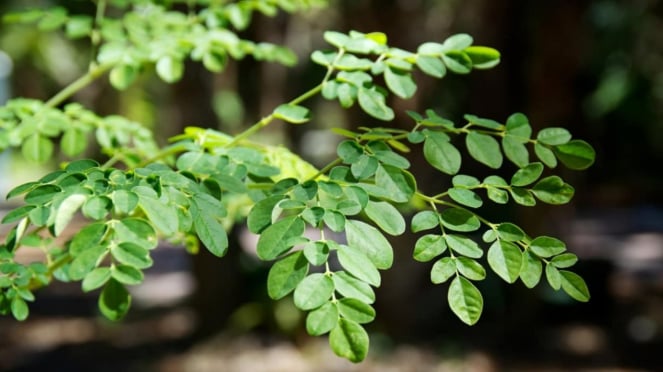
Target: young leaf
x=322 y=319
x=294 y=114
x=441 y=154
x=351 y=287
x=484 y=149
x=465 y=300
x=574 y=286
x=386 y=216
x=286 y=274
x=278 y=238
x=356 y=310
x=505 y=259
x=575 y=154
x=313 y=291
x=114 y=301
x=371 y=242
x=531 y=270
x=358 y=264
x=349 y=340
x=428 y=247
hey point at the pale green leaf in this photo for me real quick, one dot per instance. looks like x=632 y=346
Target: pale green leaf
x=313 y=291
x=428 y=247
x=386 y=216
x=505 y=258
x=465 y=300
x=371 y=242
x=484 y=148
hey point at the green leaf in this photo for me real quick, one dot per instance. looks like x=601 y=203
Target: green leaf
x=260 y=216
x=356 y=310
x=574 y=286
x=334 y=220
x=458 y=219
x=484 y=148
x=286 y=274
x=465 y=197
x=564 y=260
x=122 y=76
x=208 y=228
x=86 y=261
x=170 y=69
x=42 y=194
x=124 y=201
x=497 y=195
x=576 y=154
x=294 y=114
x=17 y=214
x=463 y=245
x=522 y=196
x=19 y=308
x=483 y=57
x=358 y=264
x=457 y=61
x=553 y=190
x=313 y=291
x=546 y=246
x=126 y=274
x=79 y=26
x=96 y=278
x=489 y=236
x=518 y=127
x=424 y=220
x=114 y=301
x=515 y=151
x=553 y=136
x=465 y=300
x=401 y=83
x=73 y=142
x=505 y=258
x=349 y=151
x=464 y=180
x=486 y=123
x=371 y=242
x=351 y=287
x=89 y=235
x=432 y=66
x=440 y=153
x=457 y=42
x=137 y=231
x=131 y=254
x=278 y=238
x=163 y=216
x=386 y=216
x=40 y=216
x=510 y=232
x=531 y=270
x=322 y=319
x=365 y=167
x=470 y=268
x=316 y=253
x=97 y=207
x=349 y=340
x=546 y=155
x=442 y=270
x=372 y=101
x=428 y=247
x=23 y=188
x=527 y=175
x=391 y=183
x=554 y=277
x=65 y=212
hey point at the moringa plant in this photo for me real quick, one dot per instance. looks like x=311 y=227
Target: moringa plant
x=193 y=190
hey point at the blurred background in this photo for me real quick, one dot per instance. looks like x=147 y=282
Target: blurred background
x=592 y=66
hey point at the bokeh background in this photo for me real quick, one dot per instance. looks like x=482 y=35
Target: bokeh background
x=592 y=66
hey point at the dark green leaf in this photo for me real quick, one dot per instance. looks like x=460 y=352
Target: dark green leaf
x=260 y=216
x=137 y=231
x=350 y=151
x=278 y=238
x=365 y=167
x=465 y=300
x=428 y=247
x=334 y=220
x=527 y=175
x=114 y=301
x=483 y=57
x=313 y=291
x=126 y=274
x=208 y=228
x=576 y=154
x=349 y=340
x=459 y=220
x=89 y=235
x=17 y=214
x=163 y=216
x=518 y=127
x=397 y=185
x=286 y=274
x=505 y=259
x=457 y=61
x=484 y=148
x=463 y=180
x=42 y=194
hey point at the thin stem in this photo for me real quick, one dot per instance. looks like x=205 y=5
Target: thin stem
x=327 y=168
x=95 y=36
x=171 y=150
x=77 y=85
